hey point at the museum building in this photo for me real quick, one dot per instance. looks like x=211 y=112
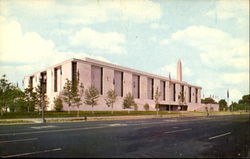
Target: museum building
x=105 y=76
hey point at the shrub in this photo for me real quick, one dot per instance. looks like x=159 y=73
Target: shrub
x=58 y=104
x=146 y=107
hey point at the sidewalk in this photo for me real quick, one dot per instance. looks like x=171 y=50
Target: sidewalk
x=80 y=119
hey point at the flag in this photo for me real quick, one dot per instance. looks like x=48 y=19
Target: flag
x=227 y=93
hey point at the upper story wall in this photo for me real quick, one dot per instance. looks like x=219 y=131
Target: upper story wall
x=84 y=68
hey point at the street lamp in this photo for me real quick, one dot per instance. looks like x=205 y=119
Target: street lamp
x=43 y=82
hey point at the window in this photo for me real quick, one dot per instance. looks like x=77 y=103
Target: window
x=74 y=73
x=196 y=95
x=150 y=88
x=44 y=78
x=189 y=92
x=136 y=86
x=118 y=83
x=174 y=92
x=162 y=90
x=55 y=79
x=31 y=81
x=97 y=77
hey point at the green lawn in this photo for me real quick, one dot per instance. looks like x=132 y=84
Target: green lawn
x=51 y=114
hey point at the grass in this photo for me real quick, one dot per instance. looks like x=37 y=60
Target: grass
x=15 y=121
x=53 y=114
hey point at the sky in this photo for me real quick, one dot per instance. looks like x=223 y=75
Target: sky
x=210 y=37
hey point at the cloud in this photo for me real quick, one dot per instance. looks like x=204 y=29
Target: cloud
x=236 y=78
x=218 y=48
x=25 y=53
x=90 y=12
x=157 y=26
x=108 y=42
x=231 y=9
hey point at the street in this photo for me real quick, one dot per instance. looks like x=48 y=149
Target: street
x=213 y=136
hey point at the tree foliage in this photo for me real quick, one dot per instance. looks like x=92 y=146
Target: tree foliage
x=222 y=105
x=157 y=98
x=78 y=94
x=68 y=93
x=40 y=98
x=91 y=97
x=111 y=99
x=146 y=107
x=208 y=101
x=128 y=102
x=58 y=104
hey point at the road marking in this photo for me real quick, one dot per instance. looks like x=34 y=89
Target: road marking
x=117 y=124
x=47 y=131
x=31 y=153
x=168 y=132
x=43 y=127
x=219 y=136
x=18 y=140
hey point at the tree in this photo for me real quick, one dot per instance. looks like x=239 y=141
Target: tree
x=4 y=91
x=58 y=104
x=222 y=105
x=146 y=106
x=245 y=99
x=30 y=98
x=128 y=101
x=111 y=99
x=77 y=99
x=68 y=94
x=11 y=97
x=181 y=98
x=91 y=97
x=208 y=101
x=40 y=98
x=157 y=98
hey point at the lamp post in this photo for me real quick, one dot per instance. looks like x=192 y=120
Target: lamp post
x=43 y=82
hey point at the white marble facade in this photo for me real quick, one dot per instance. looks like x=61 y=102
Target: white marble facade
x=105 y=76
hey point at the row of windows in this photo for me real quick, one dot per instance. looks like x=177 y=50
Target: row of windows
x=97 y=81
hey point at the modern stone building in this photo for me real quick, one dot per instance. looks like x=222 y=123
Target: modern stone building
x=105 y=76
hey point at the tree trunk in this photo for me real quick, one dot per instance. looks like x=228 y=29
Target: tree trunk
x=112 y=110
x=92 y=109
x=1 y=111
x=78 y=112
x=68 y=109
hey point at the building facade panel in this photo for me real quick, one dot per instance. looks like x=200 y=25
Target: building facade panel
x=118 y=82
x=127 y=83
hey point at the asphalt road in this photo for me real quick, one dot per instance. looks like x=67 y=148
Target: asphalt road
x=220 y=136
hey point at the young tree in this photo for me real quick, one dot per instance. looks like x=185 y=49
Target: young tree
x=128 y=101
x=68 y=94
x=110 y=99
x=181 y=98
x=157 y=98
x=40 y=98
x=30 y=97
x=146 y=106
x=77 y=99
x=91 y=97
x=58 y=104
